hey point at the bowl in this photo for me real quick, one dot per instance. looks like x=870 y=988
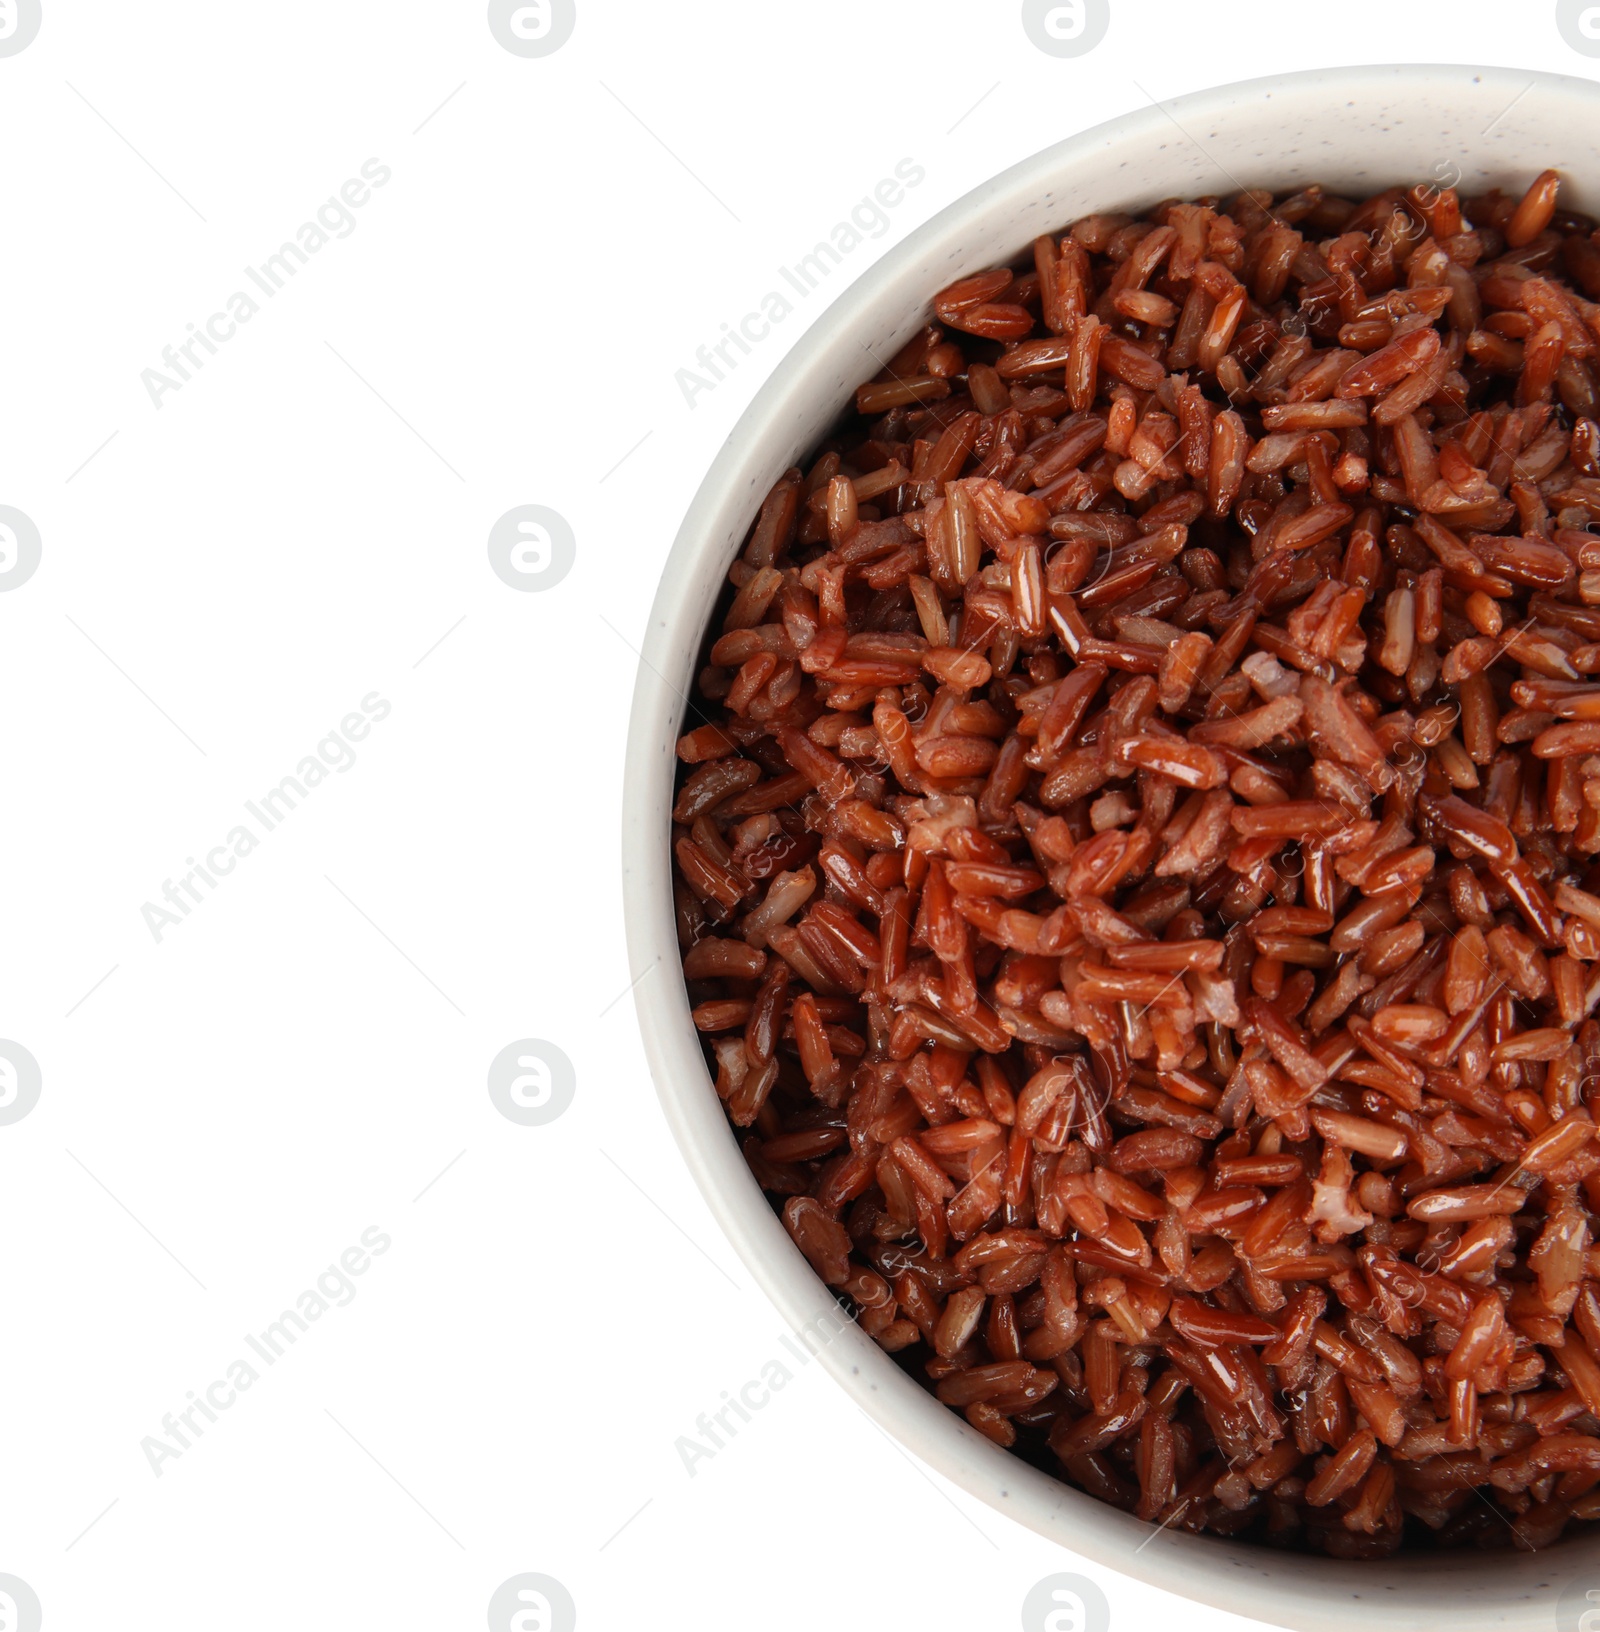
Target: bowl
x=1357 y=130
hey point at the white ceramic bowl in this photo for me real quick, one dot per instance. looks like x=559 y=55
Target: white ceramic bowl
x=1356 y=130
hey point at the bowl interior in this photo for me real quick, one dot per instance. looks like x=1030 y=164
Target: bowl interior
x=1356 y=131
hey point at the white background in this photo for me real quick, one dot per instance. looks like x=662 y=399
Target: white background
x=303 y=524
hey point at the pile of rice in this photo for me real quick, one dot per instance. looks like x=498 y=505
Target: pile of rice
x=1136 y=863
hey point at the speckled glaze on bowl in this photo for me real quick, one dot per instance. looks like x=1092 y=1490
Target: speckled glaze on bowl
x=1357 y=130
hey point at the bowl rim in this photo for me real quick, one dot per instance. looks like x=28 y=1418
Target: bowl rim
x=1289 y=1589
